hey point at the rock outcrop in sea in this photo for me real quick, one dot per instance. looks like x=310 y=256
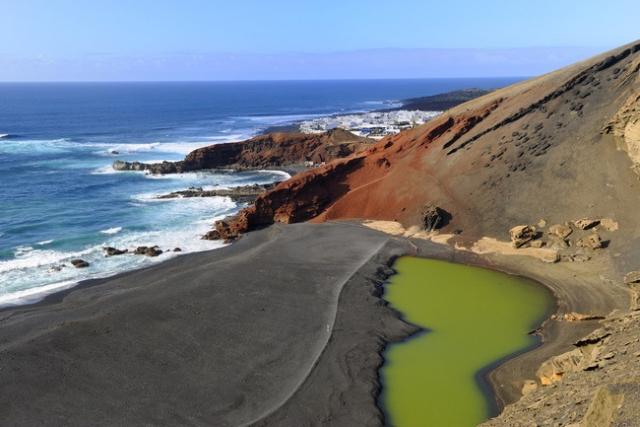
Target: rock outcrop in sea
x=242 y=194
x=272 y=150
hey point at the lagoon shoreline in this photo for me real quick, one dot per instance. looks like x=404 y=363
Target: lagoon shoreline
x=339 y=335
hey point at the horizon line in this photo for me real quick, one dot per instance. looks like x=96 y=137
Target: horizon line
x=265 y=80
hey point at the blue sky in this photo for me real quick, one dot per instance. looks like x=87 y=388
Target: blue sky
x=272 y=39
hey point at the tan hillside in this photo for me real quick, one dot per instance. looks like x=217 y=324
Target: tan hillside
x=560 y=147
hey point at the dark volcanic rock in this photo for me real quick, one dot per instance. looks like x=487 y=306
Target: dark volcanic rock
x=151 y=251
x=522 y=234
x=155 y=168
x=242 y=194
x=586 y=223
x=212 y=235
x=435 y=217
x=79 y=263
x=110 y=251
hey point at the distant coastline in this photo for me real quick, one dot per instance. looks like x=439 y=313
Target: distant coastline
x=406 y=113
x=38 y=261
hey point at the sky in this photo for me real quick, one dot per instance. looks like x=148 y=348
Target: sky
x=70 y=40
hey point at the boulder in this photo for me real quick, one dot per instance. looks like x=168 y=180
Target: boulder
x=56 y=268
x=522 y=234
x=558 y=243
x=140 y=250
x=79 y=263
x=529 y=387
x=580 y=257
x=592 y=241
x=594 y=337
x=177 y=249
x=554 y=369
x=110 y=251
x=154 y=251
x=435 y=217
x=151 y=251
x=632 y=277
x=581 y=317
x=560 y=230
x=586 y=223
x=608 y=224
x=155 y=168
x=212 y=235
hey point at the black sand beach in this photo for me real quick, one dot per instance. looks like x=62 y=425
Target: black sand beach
x=225 y=337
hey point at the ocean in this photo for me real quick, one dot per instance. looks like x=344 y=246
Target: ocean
x=60 y=198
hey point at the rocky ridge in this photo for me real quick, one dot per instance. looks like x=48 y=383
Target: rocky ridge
x=593 y=385
x=512 y=144
x=241 y=194
x=267 y=151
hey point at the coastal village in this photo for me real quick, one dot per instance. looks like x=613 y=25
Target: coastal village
x=374 y=125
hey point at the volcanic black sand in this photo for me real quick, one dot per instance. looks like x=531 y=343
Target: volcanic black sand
x=224 y=337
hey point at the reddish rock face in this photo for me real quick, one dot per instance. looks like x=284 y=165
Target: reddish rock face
x=278 y=149
x=502 y=159
x=264 y=151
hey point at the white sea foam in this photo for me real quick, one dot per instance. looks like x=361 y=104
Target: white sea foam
x=37 y=273
x=22 y=250
x=32 y=295
x=27 y=257
x=283 y=174
x=45 y=242
x=177 y=147
x=60 y=145
x=186 y=176
x=105 y=170
x=36 y=146
x=113 y=230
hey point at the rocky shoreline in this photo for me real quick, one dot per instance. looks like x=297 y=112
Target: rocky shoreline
x=267 y=151
x=240 y=194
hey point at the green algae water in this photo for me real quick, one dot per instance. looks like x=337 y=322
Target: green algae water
x=473 y=318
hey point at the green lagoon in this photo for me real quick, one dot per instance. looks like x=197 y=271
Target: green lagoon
x=474 y=317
